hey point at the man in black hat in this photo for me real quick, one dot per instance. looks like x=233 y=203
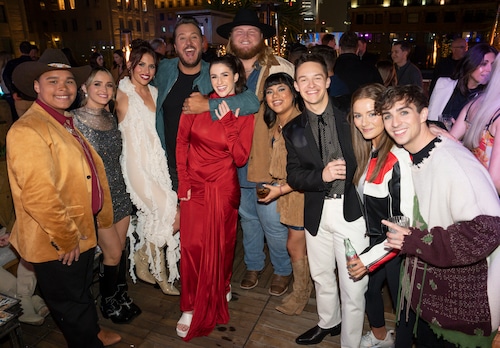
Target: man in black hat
x=60 y=195
x=247 y=37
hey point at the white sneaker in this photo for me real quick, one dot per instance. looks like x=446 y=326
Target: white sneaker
x=370 y=341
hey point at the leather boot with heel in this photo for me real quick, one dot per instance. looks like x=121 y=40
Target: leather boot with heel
x=294 y=303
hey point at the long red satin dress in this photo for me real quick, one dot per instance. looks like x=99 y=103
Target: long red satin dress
x=208 y=153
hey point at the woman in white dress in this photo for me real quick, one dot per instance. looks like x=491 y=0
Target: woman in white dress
x=146 y=174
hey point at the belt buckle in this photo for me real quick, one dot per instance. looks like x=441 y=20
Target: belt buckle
x=333 y=196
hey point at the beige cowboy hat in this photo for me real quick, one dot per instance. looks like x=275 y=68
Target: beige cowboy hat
x=246 y=16
x=26 y=73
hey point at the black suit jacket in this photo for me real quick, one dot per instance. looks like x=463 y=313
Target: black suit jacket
x=355 y=73
x=304 y=168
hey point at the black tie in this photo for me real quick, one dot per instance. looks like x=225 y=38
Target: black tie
x=322 y=138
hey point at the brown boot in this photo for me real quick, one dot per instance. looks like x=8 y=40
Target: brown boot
x=302 y=286
x=108 y=338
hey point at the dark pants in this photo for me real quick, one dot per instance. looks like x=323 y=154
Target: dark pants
x=425 y=337
x=66 y=290
x=373 y=295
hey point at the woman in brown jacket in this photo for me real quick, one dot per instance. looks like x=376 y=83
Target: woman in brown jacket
x=268 y=164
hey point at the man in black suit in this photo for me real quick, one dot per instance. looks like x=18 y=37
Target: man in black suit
x=350 y=69
x=364 y=55
x=321 y=163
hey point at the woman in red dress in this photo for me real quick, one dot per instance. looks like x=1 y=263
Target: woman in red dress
x=208 y=152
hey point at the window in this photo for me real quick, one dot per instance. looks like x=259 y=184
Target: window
x=130 y=25
x=72 y=4
x=450 y=17
x=170 y=16
x=88 y=24
x=395 y=18
x=74 y=24
x=144 y=6
x=98 y=25
x=170 y=3
x=162 y=4
x=162 y=17
x=122 y=23
x=369 y=18
x=64 y=25
x=412 y=17
x=138 y=25
x=42 y=5
x=61 y=4
x=359 y=19
x=146 y=26
x=431 y=17
x=379 y=18
x=3 y=17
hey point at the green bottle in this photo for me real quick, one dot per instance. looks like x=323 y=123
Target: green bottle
x=350 y=252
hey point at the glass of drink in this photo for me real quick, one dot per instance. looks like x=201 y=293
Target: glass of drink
x=262 y=191
x=400 y=220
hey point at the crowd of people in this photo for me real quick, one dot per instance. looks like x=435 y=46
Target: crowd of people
x=162 y=154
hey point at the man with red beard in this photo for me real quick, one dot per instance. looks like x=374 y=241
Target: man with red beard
x=246 y=36
x=183 y=83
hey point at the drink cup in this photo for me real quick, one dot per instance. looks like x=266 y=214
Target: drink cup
x=262 y=191
x=399 y=220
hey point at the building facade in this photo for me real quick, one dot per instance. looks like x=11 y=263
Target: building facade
x=429 y=24
x=86 y=26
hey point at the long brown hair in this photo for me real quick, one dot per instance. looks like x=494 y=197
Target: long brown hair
x=362 y=147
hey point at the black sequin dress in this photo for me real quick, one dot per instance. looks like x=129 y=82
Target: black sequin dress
x=100 y=128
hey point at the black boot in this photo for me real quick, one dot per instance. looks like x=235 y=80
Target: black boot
x=122 y=295
x=110 y=307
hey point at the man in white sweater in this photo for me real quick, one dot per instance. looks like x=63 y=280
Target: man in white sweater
x=448 y=285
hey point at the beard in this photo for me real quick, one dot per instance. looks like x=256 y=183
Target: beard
x=188 y=64
x=248 y=53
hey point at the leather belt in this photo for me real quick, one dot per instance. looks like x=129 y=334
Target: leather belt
x=334 y=196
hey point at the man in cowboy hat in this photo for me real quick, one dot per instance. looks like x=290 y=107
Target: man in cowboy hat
x=247 y=37
x=60 y=194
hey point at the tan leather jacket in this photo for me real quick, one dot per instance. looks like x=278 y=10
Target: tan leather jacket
x=51 y=188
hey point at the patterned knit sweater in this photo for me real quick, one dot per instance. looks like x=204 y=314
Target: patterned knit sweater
x=451 y=273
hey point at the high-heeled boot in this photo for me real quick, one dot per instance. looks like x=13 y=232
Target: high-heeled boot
x=142 y=265
x=302 y=286
x=26 y=283
x=165 y=286
x=122 y=294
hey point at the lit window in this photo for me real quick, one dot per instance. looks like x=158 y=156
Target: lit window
x=62 y=7
x=72 y=4
x=144 y=6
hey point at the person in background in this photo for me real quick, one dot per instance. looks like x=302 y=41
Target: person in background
x=387 y=71
x=295 y=51
x=329 y=40
x=260 y=222
x=119 y=70
x=22 y=102
x=208 y=153
x=34 y=52
x=349 y=69
x=477 y=126
x=337 y=87
x=469 y=79
x=96 y=60
x=160 y=47
x=281 y=104
x=447 y=66
x=364 y=55
x=71 y=58
x=208 y=53
x=4 y=58
x=449 y=279
x=146 y=174
x=321 y=163
x=407 y=72
x=61 y=196
x=100 y=129
x=383 y=179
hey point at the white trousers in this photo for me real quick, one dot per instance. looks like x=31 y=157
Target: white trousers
x=325 y=252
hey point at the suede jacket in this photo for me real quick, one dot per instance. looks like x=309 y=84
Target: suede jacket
x=51 y=185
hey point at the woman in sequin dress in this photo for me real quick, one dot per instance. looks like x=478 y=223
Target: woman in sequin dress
x=145 y=170
x=101 y=130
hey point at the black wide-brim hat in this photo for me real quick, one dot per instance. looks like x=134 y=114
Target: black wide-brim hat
x=26 y=73
x=246 y=16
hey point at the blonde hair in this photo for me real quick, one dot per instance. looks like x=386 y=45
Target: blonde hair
x=91 y=78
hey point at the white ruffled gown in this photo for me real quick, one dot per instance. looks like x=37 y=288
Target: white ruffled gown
x=145 y=170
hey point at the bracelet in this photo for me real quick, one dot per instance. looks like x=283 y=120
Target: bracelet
x=281 y=191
